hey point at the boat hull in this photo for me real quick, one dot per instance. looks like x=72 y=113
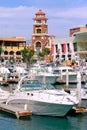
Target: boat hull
x=43 y=108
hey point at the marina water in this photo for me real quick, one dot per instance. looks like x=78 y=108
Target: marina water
x=70 y=122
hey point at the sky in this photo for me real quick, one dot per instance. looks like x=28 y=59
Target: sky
x=16 y=16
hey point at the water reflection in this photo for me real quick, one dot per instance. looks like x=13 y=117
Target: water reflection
x=35 y=123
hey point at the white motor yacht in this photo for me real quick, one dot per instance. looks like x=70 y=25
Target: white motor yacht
x=36 y=97
x=3 y=95
x=84 y=92
x=63 y=71
x=46 y=72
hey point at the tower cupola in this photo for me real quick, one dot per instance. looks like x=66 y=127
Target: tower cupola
x=40 y=35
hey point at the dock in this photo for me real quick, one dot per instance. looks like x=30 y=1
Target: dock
x=81 y=110
x=18 y=112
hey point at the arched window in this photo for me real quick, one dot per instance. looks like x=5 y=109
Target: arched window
x=6 y=53
x=38 y=30
x=38 y=44
x=38 y=47
x=18 y=53
x=11 y=52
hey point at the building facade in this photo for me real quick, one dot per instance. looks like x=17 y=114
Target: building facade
x=12 y=48
x=62 y=49
x=77 y=29
x=80 y=44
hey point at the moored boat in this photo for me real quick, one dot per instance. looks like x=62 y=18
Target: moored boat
x=63 y=71
x=3 y=95
x=36 y=97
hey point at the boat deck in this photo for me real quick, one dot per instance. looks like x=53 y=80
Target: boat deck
x=18 y=112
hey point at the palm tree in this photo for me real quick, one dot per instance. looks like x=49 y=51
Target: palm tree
x=41 y=54
x=24 y=54
x=27 y=55
x=46 y=51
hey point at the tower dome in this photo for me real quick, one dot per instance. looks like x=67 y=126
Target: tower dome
x=40 y=12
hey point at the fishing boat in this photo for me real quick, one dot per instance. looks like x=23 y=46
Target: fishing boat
x=38 y=98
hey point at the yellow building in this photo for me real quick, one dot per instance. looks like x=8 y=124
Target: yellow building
x=12 y=47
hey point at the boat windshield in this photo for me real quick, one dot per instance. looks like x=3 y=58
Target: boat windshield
x=30 y=84
x=34 y=85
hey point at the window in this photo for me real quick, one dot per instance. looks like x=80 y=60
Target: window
x=38 y=47
x=75 y=46
x=38 y=30
x=18 y=53
x=38 y=44
x=68 y=47
x=7 y=44
x=11 y=52
x=15 y=44
x=69 y=57
x=38 y=21
x=56 y=47
x=63 y=56
x=6 y=52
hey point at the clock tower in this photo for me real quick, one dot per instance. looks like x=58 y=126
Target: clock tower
x=40 y=37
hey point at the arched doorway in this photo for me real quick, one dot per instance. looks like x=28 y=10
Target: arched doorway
x=18 y=53
x=11 y=53
x=6 y=55
x=18 y=56
x=11 y=57
x=5 y=52
x=38 y=47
